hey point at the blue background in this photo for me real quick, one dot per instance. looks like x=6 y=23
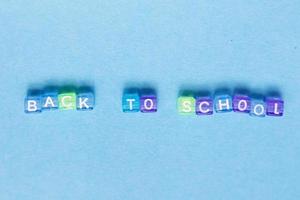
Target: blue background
x=169 y=46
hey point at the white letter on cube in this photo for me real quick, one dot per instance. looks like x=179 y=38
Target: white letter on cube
x=49 y=101
x=201 y=109
x=82 y=103
x=130 y=103
x=146 y=104
x=259 y=109
x=221 y=104
x=187 y=106
x=242 y=105
x=31 y=105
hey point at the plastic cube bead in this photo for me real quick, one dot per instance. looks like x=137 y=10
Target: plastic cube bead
x=85 y=101
x=131 y=102
x=223 y=103
x=241 y=103
x=186 y=105
x=275 y=106
x=32 y=104
x=148 y=103
x=204 y=106
x=258 y=108
x=50 y=101
x=67 y=101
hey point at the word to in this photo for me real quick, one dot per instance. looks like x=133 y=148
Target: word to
x=134 y=102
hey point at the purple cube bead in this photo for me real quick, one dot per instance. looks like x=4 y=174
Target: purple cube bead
x=148 y=103
x=241 y=103
x=204 y=106
x=275 y=106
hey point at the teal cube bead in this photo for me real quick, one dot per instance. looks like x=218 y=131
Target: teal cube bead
x=85 y=101
x=131 y=102
x=33 y=104
x=223 y=103
x=50 y=100
x=258 y=108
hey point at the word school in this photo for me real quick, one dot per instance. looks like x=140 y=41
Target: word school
x=271 y=106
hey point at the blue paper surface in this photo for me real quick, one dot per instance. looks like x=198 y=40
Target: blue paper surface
x=165 y=45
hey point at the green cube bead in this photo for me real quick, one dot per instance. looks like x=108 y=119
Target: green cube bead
x=67 y=101
x=186 y=105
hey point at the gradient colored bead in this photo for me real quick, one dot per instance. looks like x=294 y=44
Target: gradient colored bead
x=186 y=105
x=258 y=108
x=32 y=104
x=131 y=102
x=275 y=106
x=204 y=106
x=85 y=101
x=241 y=103
x=148 y=103
x=67 y=101
x=50 y=101
x=223 y=103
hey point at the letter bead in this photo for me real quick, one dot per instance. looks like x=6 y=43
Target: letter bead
x=258 y=108
x=32 y=104
x=131 y=102
x=85 y=101
x=204 y=106
x=241 y=103
x=186 y=105
x=223 y=103
x=275 y=106
x=148 y=103
x=67 y=101
x=50 y=101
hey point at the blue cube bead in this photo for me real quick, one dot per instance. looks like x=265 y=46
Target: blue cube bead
x=85 y=101
x=131 y=102
x=223 y=103
x=50 y=101
x=32 y=104
x=258 y=108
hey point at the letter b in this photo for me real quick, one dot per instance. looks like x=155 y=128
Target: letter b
x=32 y=104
